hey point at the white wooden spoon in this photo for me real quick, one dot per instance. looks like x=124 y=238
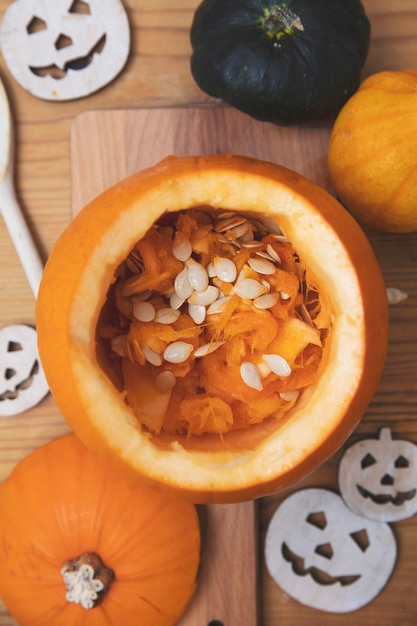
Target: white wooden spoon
x=9 y=206
x=22 y=381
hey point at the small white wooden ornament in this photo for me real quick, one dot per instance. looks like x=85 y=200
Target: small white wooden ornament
x=326 y=557
x=22 y=380
x=65 y=49
x=378 y=478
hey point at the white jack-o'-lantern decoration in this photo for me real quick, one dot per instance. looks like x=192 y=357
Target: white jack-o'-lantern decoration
x=325 y=556
x=22 y=381
x=65 y=49
x=378 y=478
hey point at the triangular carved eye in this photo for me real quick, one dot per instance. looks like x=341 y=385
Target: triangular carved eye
x=35 y=25
x=361 y=539
x=401 y=462
x=9 y=373
x=78 y=6
x=14 y=346
x=317 y=519
x=367 y=461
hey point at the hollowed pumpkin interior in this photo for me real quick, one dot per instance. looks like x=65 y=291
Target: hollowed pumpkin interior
x=213 y=326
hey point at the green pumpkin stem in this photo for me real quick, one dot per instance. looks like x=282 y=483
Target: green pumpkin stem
x=87 y=579
x=279 y=20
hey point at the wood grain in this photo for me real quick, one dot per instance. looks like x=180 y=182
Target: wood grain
x=158 y=75
x=141 y=137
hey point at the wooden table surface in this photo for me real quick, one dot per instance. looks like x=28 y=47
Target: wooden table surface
x=157 y=74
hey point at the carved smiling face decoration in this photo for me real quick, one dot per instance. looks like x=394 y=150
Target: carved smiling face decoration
x=65 y=49
x=22 y=381
x=378 y=478
x=325 y=556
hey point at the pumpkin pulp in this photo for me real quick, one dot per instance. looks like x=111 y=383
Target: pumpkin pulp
x=213 y=324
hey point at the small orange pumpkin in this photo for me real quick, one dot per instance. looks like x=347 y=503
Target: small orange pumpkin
x=372 y=154
x=75 y=535
x=275 y=374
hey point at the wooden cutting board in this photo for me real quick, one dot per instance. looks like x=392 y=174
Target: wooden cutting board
x=107 y=146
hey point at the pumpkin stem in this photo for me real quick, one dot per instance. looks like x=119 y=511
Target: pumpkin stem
x=87 y=579
x=279 y=20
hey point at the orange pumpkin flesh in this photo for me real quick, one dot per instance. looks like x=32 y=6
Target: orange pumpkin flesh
x=182 y=370
x=62 y=502
x=248 y=461
x=372 y=155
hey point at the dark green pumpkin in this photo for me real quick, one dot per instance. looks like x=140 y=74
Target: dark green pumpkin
x=284 y=62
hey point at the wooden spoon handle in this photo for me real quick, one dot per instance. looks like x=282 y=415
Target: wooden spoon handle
x=227 y=585
x=20 y=235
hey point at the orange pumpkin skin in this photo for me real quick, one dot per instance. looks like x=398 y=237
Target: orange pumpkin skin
x=61 y=502
x=248 y=463
x=372 y=156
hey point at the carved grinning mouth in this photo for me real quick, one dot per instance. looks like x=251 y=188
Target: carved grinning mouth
x=318 y=575
x=397 y=500
x=78 y=63
x=12 y=394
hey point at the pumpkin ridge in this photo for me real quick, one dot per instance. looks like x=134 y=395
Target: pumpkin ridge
x=409 y=181
x=174 y=523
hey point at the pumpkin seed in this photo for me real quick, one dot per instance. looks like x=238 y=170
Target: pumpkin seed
x=177 y=352
x=134 y=261
x=241 y=230
x=261 y=265
x=253 y=244
x=395 y=295
x=143 y=311
x=305 y=315
x=249 y=288
x=167 y=315
x=181 y=247
x=142 y=296
x=218 y=306
x=222 y=239
x=176 y=301
x=278 y=364
x=280 y=238
x=251 y=375
x=273 y=253
x=266 y=301
x=154 y=358
x=207 y=348
x=119 y=345
x=182 y=285
x=210 y=270
x=266 y=284
x=225 y=269
x=197 y=312
x=289 y=395
x=229 y=223
x=204 y=298
x=197 y=275
x=165 y=381
x=246 y=237
x=225 y=214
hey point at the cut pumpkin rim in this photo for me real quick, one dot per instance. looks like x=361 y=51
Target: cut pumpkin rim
x=328 y=241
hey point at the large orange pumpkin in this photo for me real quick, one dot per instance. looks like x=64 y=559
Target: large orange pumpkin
x=372 y=152
x=81 y=545
x=222 y=405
